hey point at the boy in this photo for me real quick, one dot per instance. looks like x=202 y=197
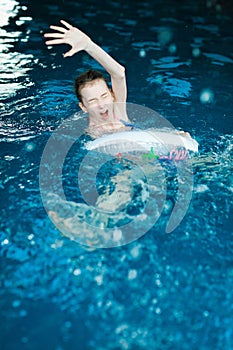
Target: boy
x=106 y=108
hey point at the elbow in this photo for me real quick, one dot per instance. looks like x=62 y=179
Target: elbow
x=122 y=71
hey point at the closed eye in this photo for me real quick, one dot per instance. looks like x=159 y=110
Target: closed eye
x=104 y=95
x=93 y=100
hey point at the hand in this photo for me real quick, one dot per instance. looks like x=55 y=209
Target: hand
x=68 y=35
x=185 y=134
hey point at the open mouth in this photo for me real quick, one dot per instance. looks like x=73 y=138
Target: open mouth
x=104 y=115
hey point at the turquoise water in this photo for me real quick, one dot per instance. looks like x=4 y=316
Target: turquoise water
x=162 y=291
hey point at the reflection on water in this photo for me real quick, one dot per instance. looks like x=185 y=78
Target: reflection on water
x=8 y=9
x=13 y=65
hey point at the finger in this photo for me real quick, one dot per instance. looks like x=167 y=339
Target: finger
x=70 y=53
x=66 y=24
x=185 y=134
x=54 y=35
x=59 y=29
x=55 y=42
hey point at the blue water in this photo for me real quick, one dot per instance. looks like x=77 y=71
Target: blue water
x=162 y=291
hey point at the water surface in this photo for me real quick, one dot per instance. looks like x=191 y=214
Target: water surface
x=163 y=291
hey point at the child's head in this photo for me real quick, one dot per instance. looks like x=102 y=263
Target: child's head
x=86 y=78
x=95 y=96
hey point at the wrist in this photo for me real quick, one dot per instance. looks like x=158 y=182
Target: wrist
x=89 y=45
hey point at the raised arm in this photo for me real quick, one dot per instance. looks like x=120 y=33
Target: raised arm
x=80 y=41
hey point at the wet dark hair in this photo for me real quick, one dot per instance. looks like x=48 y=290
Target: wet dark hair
x=84 y=78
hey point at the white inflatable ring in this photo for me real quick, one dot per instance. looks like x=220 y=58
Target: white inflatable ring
x=150 y=143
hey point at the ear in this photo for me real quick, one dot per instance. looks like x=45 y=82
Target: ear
x=83 y=108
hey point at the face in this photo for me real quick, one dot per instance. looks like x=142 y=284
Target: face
x=97 y=101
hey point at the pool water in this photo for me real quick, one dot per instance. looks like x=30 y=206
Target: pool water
x=161 y=291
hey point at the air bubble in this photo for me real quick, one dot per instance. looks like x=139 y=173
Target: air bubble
x=23 y=313
x=16 y=303
x=132 y=274
x=117 y=235
x=5 y=241
x=77 y=272
x=142 y=53
x=196 y=52
x=30 y=146
x=172 y=48
x=165 y=36
x=135 y=251
x=207 y=96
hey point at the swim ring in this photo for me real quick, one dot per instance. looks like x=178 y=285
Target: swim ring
x=150 y=143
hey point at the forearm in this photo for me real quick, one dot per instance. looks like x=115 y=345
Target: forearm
x=116 y=70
